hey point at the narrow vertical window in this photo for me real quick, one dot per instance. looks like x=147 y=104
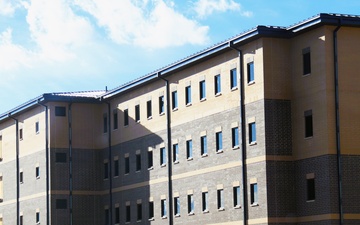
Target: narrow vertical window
x=308 y=123
x=37 y=217
x=187 y=95
x=127 y=165
x=250 y=72
x=236 y=196
x=127 y=213
x=219 y=146
x=174 y=96
x=106 y=170
x=233 y=79
x=189 y=151
x=203 y=145
x=220 y=199
x=254 y=194
x=138 y=162
x=306 y=61
x=115 y=119
x=252 y=133
x=21 y=220
x=126 y=117
x=190 y=199
x=235 y=137
x=37 y=127
x=202 y=88
x=310 y=183
x=177 y=206
x=162 y=156
x=139 y=211
x=151 y=210
x=116 y=168
x=107 y=217
x=21 y=177
x=1 y=147
x=149 y=109
x=1 y=189
x=217 y=83
x=105 y=123
x=161 y=105
x=175 y=153
x=37 y=172
x=117 y=214
x=150 y=159
x=205 y=202
x=163 y=208
x=137 y=113
x=21 y=134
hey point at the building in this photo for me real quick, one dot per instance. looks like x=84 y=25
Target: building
x=259 y=129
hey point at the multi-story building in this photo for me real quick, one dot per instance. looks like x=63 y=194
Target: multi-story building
x=259 y=129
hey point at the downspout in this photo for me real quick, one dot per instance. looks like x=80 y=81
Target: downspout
x=168 y=128
x=70 y=166
x=337 y=118
x=243 y=134
x=17 y=170
x=47 y=162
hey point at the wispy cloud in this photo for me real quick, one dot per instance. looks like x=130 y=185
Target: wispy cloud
x=7 y=8
x=204 y=8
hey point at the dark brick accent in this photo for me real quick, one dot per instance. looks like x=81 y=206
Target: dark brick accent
x=351 y=184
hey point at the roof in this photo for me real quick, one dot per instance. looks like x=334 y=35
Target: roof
x=245 y=37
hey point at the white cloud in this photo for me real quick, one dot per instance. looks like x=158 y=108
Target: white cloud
x=6 y=8
x=204 y=8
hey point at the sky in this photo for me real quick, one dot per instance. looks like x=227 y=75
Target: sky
x=81 y=45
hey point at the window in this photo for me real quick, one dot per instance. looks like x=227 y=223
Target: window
x=37 y=217
x=174 y=96
x=162 y=156
x=61 y=204
x=116 y=168
x=37 y=127
x=163 y=208
x=310 y=183
x=60 y=157
x=107 y=216
x=117 y=214
x=177 y=206
x=115 y=119
x=176 y=153
x=217 y=83
x=161 y=105
x=1 y=147
x=205 y=202
x=149 y=109
x=203 y=146
x=1 y=189
x=105 y=123
x=306 y=61
x=202 y=88
x=139 y=211
x=127 y=213
x=126 y=117
x=137 y=113
x=150 y=159
x=60 y=111
x=236 y=196
x=138 y=162
x=21 y=134
x=250 y=72
x=37 y=172
x=127 y=165
x=235 y=137
x=254 y=194
x=190 y=199
x=106 y=170
x=219 y=142
x=151 y=210
x=188 y=95
x=308 y=123
x=21 y=220
x=252 y=133
x=21 y=177
x=189 y=154
x=233 y=79
x=220 y=199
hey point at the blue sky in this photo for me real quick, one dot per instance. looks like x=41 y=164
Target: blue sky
x=77 y=45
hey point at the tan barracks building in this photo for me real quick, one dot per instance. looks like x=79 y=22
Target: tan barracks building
x=262 y=128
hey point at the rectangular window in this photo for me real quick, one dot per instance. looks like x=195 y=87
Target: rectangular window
x=306 y=61
x=61 y=204
x=106 y=170
x=139 y=211
x=116 y=168
x=203 y=142
x=310 y=183
x=235 y=137
x=105 y=123
x=161 y=105
x=127 y=165
x=126 y=117
x=189 y=153
x=202 y=88
x=117 y=214
x=205 y=202
x=21 y=134
x=217 y=83
x=174 y=96
x=220 y=199
x=127 y=213
x=37 y=127
x=187 y=95
x=21 y=220
x=60 y=157
x=37 y=172
x=250 y=72
x=149 y=109
x=150 y=159
x=177 y=206
x=162 y=156
x=252 y=133
x=190 y=199
x=138 y=162
x=219 y=146
x=163 y=208
x=233 y=79
x=137 y=113
x=1 y=189
x=37 y=217
x=236 y=196
x=175 y=153
x=115 y=119
x=1 y=147
x=308 y=123
x=107 y=216
x=60 y=111
x=151 y=210
x=254 y=194
x=21 y=177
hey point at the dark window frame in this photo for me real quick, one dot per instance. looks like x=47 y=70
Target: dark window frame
x=217 y=84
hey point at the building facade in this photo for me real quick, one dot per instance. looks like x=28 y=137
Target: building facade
x=259 y=129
